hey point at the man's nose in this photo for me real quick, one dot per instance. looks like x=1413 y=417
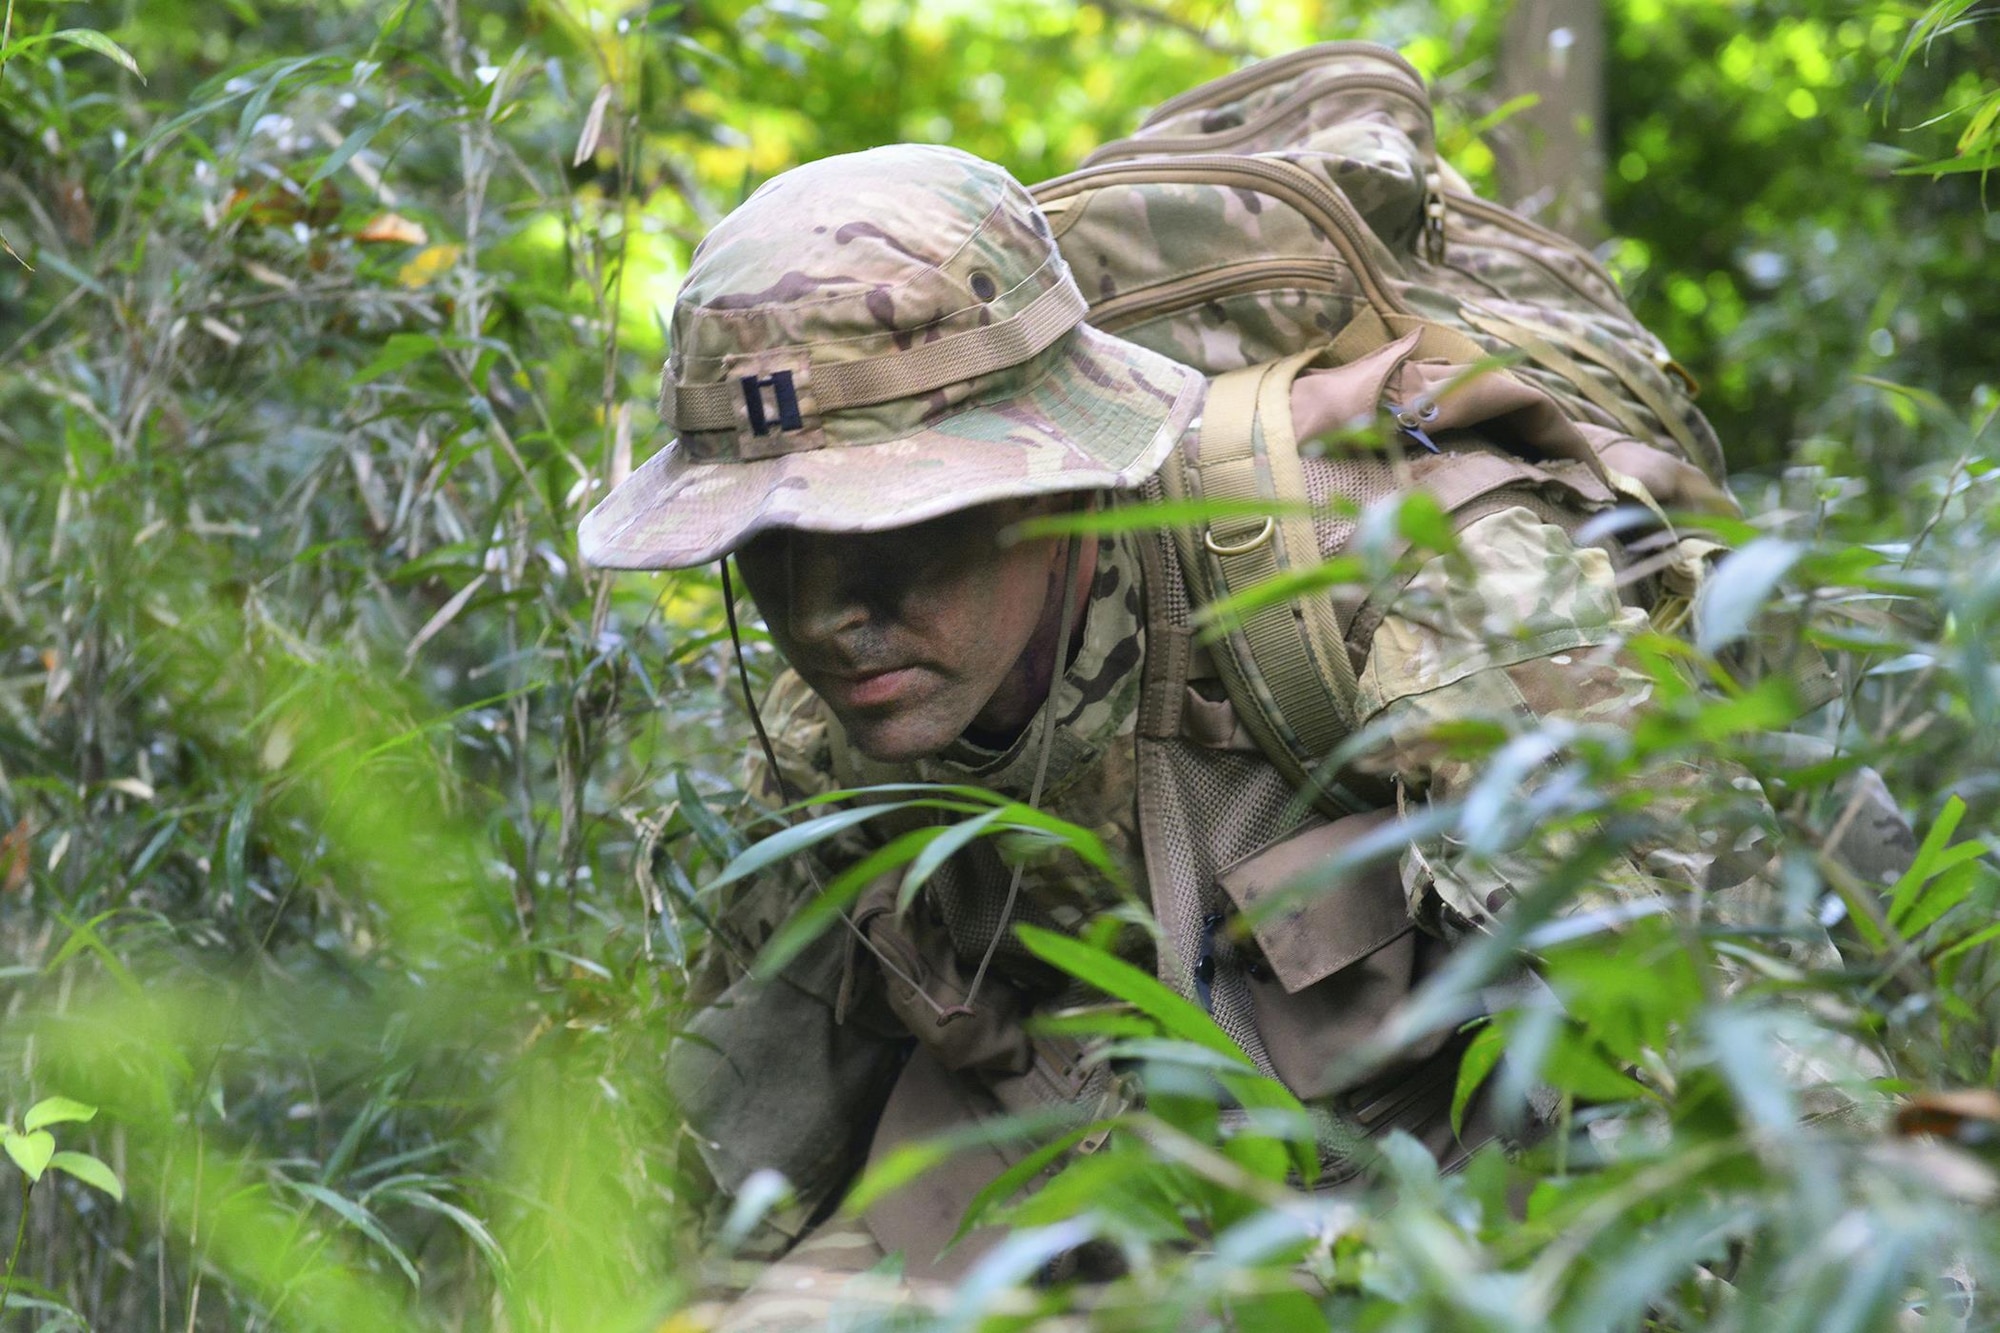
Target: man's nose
x=825 y=585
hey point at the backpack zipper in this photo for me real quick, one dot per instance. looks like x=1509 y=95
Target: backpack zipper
x=1182 y=293
x=1322 y=204
x=1276 y=70
x=1166 y=145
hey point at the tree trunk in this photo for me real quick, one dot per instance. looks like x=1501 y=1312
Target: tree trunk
x=1550 y=157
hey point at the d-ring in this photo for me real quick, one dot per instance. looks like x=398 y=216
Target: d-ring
x=1244 y=547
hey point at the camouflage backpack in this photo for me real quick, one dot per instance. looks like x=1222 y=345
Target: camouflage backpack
x=1296 y=214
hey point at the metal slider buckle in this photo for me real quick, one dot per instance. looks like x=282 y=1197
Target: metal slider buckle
x=1244 y=547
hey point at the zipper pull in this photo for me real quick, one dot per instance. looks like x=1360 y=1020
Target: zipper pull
x=1665 y=361
x=1434 y=217
x=1410 y=421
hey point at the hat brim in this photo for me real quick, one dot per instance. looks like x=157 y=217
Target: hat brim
x=1103 y=417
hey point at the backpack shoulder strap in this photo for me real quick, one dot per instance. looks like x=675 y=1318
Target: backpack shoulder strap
x=1285 y=664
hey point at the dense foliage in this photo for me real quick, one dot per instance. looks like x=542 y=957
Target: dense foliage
x=353 y=838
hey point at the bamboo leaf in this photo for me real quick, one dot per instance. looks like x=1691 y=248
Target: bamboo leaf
x=823 y=909
x=363 y=1221
x=792 y=840
x=939 y=850
x=1737 y=591
x=1180 y=1016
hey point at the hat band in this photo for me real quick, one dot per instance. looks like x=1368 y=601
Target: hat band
x=879 y=379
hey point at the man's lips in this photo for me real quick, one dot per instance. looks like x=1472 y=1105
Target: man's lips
x=872 y=689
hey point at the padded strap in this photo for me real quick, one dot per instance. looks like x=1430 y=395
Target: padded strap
x=1286 y=668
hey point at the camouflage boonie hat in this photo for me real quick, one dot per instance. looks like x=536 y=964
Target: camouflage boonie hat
x=874 y=340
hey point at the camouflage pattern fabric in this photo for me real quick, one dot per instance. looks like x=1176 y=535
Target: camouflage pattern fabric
x=1526 y=628
x=1257 y=215
x=873 y=340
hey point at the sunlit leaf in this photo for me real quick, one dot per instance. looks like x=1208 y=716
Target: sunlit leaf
x=57 y=1111
x=1738 y=589
x=31 y=1152
x=90 y=1171
x=755 y=1198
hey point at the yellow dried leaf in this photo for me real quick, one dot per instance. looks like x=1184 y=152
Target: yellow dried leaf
x=427 y=264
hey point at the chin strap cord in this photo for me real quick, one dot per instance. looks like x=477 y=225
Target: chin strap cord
x=788 y=794
x=1072 y=557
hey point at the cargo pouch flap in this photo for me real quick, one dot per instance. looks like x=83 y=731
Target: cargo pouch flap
x=1322 y=926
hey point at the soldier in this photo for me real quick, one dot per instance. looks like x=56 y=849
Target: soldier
x=879 y=371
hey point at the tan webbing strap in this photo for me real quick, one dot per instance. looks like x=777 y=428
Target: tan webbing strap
x=1365 y=333
x=879 y=379
x=1370 y=330
x=1287 y=667
x=1536 y=342
x=1639 y=388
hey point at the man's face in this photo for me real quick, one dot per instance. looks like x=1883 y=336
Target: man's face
x=914 y=635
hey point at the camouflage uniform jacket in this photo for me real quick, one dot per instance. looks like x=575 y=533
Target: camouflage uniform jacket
x=1148 y=755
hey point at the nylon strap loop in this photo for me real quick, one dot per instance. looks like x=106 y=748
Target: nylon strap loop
x=881 y=379
x=1286 y=666
x=1371 y=331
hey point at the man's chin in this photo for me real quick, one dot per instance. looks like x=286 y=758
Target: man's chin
x=898 y=740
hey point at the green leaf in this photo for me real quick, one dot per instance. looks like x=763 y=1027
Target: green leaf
x=104 y=46
x=939 y=850
x=84 y=37
x=1951 y=886
x=400 y=350
x=236 y=842
x=1473 y=1067
x=1970 y=942
x=1180 y=1016
x=1743 y=1048
x=90 y=1171
x=1287 y=586
x=365 y=1222
x=1166 y=514
x=1929 y=860
x=715 y=836
x=352 y=144
x=1738 y=589
x=57 y=1111
x=1954 y=166
x=1423 y=523
x=1010 y=1182
x=31 y=1152
x=792 y=840
x=805 y=925
x=465 y=1221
